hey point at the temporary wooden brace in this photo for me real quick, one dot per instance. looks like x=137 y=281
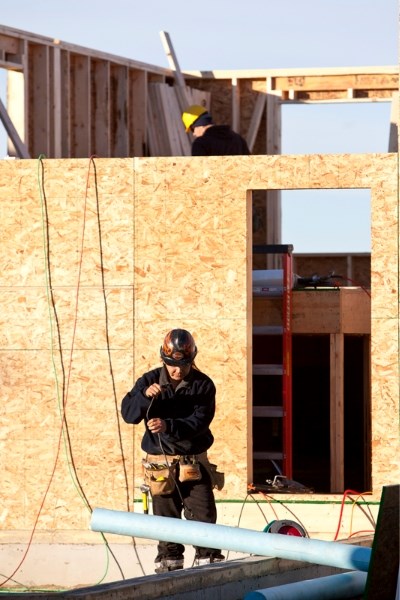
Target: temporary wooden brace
x=174 y=65
x=19 y=145
x=256 y=120
x=184 y=96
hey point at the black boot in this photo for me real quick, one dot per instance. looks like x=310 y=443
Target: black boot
x=165 y=565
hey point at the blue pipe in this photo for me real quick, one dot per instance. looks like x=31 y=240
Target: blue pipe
x=332 y=587
x=334 y=554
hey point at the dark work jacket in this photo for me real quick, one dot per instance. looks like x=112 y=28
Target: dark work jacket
x=219 y=140
x=187 y=411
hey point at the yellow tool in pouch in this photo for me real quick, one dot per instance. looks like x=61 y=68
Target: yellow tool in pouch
x=160 y=477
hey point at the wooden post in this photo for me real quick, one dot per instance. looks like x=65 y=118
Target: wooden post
x=337 y=412
x=255 y=121
x=273 y=146
x=57 y=91
x=235 y=105
x=394 y=124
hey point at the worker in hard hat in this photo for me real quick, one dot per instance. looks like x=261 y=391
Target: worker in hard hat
x=211 y=139
x=177 y=403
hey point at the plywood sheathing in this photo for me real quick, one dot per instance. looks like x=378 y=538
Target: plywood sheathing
x=32 y=376
x=176 y=250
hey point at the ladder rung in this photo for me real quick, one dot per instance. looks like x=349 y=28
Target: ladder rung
x=267 y=411
x=267 y=370
x=267 y=329
x=268 y=455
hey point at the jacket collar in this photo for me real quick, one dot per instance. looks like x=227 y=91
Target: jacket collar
x=165 y=380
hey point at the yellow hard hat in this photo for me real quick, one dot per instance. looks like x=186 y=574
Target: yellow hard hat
x=191 y=115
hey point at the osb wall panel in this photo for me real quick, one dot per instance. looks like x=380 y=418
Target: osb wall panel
x=191 y=269
x=133 y=248
x=59 y=366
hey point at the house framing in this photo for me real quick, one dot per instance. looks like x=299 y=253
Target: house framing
x=103 y=254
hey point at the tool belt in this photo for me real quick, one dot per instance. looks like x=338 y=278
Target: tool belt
x=161 y=472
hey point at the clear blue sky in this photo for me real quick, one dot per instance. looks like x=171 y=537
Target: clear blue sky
x=255 y=34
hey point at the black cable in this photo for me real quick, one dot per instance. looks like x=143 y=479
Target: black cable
x=107 y=329
x=64 y=416
x=109 y=358
x=58 y=329
x=186 y=508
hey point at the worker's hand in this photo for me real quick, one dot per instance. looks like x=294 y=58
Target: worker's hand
x=153 y=390
x=157 y=425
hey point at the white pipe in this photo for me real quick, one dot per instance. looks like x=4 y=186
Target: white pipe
x=332 y=587
x=195 y=533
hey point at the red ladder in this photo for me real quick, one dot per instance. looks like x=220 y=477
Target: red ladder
x=285 y=369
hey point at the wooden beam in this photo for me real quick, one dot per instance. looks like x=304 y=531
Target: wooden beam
x=100 y=109
x=39 y=99
x=355 y=311
x=394 y=124
x=382 y=71
x=335 y=82
x=16 y=112
x=119 y=110
x=235 y=105
x=256 y=120
x=158 y=133
x=80 y=106
x=182 y=95
x=367 y=409
x=174 y=116
x=171 y=117
x=17 y=36
x=19 y=145
x=317 y=85
x=317 y=312
x=273 y=146
x=137 y=116
x=337 y=413
x=57 y=110
x=66 y=118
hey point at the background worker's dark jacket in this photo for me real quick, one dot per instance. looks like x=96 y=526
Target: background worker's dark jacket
x=219 y=140
x=187 y=411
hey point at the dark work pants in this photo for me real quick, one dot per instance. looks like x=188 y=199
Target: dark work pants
x=197 y=504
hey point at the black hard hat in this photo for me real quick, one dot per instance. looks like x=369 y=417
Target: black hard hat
x=203 y=120
x=178 y=348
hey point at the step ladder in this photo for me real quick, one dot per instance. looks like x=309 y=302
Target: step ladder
x=281 y=410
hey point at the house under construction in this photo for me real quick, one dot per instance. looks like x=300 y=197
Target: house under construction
x=113 y=234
